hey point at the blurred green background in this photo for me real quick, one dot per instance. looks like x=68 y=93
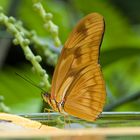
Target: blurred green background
x=120 y=51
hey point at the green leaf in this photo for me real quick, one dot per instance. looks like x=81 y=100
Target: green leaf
x=111 y=56
x=20 y=96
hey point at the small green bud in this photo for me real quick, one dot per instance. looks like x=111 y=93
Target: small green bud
x=15 y=41
x=26 y=42
x=11 y=19
x=22 y=33
x=54 y=30
x=46 y=76
x=29 y=57
x=48 y=16
x=37 y=6
x=57 y=42
x=19 y=22
x=11 y=29
x=38 y=58
x=42 y=73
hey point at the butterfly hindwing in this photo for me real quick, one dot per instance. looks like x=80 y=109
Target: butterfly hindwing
x=86 y=96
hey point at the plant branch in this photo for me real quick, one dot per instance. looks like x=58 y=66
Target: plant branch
x=42 y=48
x=24 y=43
x=48 y=24
x=122 y=101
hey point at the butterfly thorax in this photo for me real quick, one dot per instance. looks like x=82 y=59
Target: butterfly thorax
x=56 y=106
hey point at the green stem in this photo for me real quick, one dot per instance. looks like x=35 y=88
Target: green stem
x=41 y=48
x=49 y=25
x=24 y=43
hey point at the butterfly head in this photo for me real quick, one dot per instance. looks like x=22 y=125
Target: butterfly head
x=47 y=99
x=53 y=103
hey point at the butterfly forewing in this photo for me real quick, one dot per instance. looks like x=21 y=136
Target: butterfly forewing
x=77 y=78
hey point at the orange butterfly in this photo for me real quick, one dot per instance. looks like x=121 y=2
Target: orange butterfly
x=78 y=87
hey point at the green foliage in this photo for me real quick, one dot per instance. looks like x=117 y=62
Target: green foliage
x=24 y=42
x=34 y=21
x=49 y=25
x=19 y=95
x=112 y=55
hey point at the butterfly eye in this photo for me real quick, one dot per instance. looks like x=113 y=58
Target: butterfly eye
x=45 y=96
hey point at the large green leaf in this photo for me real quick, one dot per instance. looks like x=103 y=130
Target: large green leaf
x=19 y=95
x=113 y=55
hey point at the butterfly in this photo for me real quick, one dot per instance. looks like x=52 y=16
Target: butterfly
x=78 y=87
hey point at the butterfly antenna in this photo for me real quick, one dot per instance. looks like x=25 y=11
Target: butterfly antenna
x=29 y=81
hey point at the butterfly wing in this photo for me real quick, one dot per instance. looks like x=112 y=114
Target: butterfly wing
x=77 y=78
x=87 y=94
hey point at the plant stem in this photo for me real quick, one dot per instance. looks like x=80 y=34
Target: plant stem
x=24 y=43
